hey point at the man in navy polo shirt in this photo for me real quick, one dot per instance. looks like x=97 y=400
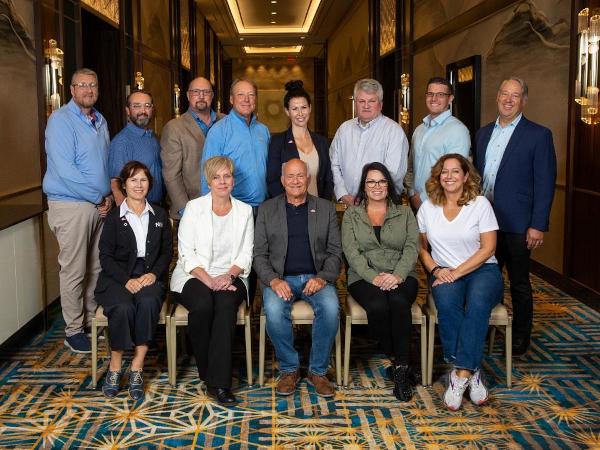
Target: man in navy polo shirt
x=136 y=142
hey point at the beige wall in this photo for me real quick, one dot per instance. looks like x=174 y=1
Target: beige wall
x=348 y=60
x=270 y=75
x=509 y=46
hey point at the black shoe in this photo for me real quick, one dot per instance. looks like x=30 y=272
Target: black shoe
x=136 y=384
x=222 y=395
x=402 y=383
x=414 y=377
x=112 y=382
x=520 y=346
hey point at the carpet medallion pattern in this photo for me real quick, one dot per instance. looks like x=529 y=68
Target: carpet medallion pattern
x=47 y=400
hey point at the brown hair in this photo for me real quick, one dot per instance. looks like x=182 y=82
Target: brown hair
x=471 y=188
x=130 y=169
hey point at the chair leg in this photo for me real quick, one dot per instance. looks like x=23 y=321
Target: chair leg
x=338 y=356
x=173 y=338
x=261 y=350
x=508 y=340
x=430 y=341
x=168 y=344
x=492 y=340
x=248 y=349
x=423 y=350
x=347 y=340
x=94 y=353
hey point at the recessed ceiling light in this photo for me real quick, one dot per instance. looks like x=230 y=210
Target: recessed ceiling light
x=273 y=1
x=241 y=39
x=302 y=37
x=273 y=12
x=272 y=21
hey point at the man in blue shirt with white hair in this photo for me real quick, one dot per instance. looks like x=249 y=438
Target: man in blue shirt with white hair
x=78 y=189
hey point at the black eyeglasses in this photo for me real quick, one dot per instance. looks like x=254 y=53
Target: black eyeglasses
x=373 y=183
x=437 y=94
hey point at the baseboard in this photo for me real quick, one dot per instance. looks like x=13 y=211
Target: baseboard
x=27 y=331
x=575 y=289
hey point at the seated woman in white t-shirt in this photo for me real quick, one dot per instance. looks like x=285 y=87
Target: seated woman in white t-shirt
x=466 y=282
x=215 y=242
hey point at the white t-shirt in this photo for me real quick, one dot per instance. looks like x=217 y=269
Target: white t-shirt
x=222 y=243
x=453 y=242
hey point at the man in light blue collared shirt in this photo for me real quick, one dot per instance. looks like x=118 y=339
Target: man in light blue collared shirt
x=439 y=134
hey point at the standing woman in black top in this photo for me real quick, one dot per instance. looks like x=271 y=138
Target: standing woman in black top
x=299 y=142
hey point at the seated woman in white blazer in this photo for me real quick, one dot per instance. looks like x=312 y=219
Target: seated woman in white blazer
x=215 y=241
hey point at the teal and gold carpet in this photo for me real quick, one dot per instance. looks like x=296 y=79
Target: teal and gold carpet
x=47 y=401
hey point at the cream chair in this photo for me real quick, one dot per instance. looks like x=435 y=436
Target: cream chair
x=101 y=321
x=498 y=318
x=356 y=315
x=179 y=318
x=302 y=314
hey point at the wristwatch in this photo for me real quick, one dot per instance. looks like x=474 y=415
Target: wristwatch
x=232 y=277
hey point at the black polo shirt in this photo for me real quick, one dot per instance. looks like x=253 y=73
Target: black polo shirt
x=299 y=260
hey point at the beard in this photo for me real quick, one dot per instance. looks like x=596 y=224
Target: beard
x=141 y=120
x=202 y=106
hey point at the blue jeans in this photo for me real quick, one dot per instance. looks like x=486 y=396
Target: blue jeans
x=326 y=307
x=464 y=309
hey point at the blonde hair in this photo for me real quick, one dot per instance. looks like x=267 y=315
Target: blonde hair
x=216 y=163
x=471 y=187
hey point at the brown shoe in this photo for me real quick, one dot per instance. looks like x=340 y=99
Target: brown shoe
x=287 y=383
x=322 y=385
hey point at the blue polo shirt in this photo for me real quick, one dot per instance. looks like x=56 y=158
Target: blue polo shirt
x=77 y=156
x=200 y=122
x=247 y=145
x=137 y=144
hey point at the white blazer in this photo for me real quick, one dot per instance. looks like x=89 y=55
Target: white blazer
x=195 y=239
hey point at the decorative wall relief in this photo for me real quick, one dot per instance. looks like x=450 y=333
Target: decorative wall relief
x=387 y=26
x=184 y=19
x=106 y=8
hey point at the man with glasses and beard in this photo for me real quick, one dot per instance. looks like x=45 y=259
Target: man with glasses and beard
x=182 y=144
x=136 y=142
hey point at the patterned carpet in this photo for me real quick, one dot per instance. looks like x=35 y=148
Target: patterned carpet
x=47 y=402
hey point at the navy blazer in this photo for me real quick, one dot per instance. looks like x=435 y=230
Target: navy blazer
x=526 y=177
x=118 y=248
x=282 y=148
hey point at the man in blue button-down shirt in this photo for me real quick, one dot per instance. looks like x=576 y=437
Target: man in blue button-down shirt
x=241 y=137
x=78 y=189
x=136 y=142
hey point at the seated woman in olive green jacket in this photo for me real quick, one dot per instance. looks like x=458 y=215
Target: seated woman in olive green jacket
x=379 y=238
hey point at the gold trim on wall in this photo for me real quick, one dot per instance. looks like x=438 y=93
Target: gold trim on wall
x=387 y=29
x=106 y=8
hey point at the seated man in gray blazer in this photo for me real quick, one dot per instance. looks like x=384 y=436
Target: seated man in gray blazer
x=297 y=255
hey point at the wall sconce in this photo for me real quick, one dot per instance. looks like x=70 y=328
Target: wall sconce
x=351 y=98
x=176 y=94
x=405 y=97
x=586 y=84
x=54 y=63
x=139 y=81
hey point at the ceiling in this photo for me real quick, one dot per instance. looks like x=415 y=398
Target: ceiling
x=298 y=27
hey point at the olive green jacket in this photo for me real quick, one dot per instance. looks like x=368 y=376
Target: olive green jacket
x=397 y=253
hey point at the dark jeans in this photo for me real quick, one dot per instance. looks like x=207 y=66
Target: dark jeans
x=512 y=252
x=211 y=328
x=389 y=314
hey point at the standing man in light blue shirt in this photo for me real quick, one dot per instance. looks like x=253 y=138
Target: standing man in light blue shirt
x=439 y=134
x=243 y=139
x=78 y=188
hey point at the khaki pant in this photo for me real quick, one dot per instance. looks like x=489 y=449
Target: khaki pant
x=77 y=227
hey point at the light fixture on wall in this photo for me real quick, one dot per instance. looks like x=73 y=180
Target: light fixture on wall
x=139 y=81
x=405 y=99
x=54 y=63
x=586 y=84
x=176 y=94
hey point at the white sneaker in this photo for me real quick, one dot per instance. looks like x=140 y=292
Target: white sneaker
x=477 y=391
x=454 y=393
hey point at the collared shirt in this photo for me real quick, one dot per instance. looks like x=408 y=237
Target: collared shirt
x=494 y=153
x=201 y=123
x=137 y=144
x=355 y=145
x=77 y=156
x=247 y=145
x=432 y=139
x=139 y=225
x=299 y=260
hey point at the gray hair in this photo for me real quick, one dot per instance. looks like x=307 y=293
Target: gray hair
x=84 y=71
x=369 y=86
x=521 y=82
x=294 y=160
x=239 y=80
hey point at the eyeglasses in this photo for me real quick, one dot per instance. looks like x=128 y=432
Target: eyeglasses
x=200 y=92
x=379 y=183
x=141 y=105
x=242 y=95
x=83 y=85
x=438 y=95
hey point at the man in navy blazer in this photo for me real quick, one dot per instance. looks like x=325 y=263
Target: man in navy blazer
x=518 y=165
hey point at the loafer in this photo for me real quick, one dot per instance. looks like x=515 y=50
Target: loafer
x=287 y=383
x=222 y=395
x=403 y=390
x=78 y=343
x=136 y=384
x=112 y=383
x=322 y=385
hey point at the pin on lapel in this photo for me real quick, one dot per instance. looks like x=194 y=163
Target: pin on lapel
x=158 y=224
